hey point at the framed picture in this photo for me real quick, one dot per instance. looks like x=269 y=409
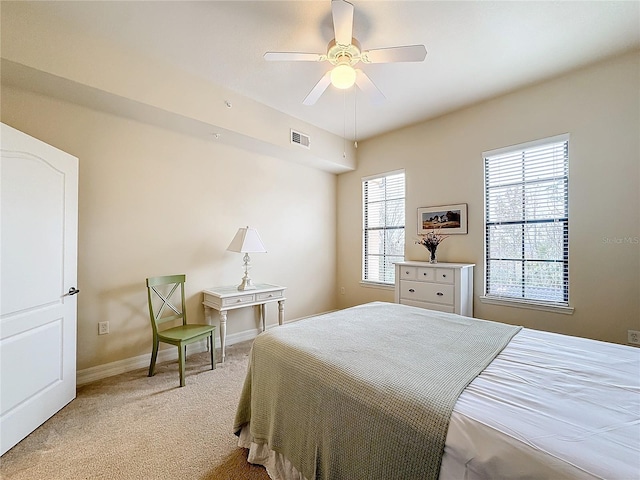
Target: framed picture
x=449 y=219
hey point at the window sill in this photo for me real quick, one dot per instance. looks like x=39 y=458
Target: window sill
x=382 y=286
x=512 y=302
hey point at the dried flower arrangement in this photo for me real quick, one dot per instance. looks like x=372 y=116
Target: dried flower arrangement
x=430 y=241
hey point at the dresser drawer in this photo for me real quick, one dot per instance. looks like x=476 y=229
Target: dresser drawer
x=425 y=274
x=408 y=273
x=268 y=295
x=444 y=275
x=228 y=302
x=427 y=292
x=429 y=306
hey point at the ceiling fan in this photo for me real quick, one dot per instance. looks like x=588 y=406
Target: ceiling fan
x=343 y=52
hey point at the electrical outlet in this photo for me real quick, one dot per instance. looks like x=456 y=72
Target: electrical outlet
x=633 y=337
x=341 y=290
x=103 y=328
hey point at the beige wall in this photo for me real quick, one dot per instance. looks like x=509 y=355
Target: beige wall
x=142 y=129
x=599 y=107
x=153 y=201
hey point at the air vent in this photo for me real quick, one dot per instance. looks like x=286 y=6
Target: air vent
x=300 y=139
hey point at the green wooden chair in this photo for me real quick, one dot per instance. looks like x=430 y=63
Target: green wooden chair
x=160 y=291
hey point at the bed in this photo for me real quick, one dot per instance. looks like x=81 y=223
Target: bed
x=392 y=391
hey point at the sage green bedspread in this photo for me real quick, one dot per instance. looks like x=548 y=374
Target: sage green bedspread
x=366 y=392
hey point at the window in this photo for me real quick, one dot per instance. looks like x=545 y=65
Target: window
x=527 y=222
x=383 y=226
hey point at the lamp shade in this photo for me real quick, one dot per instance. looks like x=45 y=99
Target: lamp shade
x=247 y=240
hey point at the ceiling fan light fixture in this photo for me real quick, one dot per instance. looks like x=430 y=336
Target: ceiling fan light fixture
x=343 y=76
x=344 y=52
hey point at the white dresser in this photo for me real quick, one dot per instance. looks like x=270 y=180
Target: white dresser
x=447 y=287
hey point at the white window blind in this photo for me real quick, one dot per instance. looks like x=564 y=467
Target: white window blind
x=527 y=222
x=383 y=226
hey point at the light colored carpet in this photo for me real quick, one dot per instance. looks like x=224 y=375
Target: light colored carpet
x=131 y=426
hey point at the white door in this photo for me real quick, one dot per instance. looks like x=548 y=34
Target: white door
x=38 y=264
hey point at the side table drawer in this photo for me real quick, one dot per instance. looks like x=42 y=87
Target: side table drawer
x=268 y=295
x=227 y=302
x=427 y=292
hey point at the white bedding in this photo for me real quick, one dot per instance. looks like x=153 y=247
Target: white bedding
x=549 y=406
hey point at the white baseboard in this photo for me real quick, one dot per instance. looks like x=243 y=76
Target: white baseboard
x=91 y=374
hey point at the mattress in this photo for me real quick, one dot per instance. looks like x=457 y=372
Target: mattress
x=548 y=406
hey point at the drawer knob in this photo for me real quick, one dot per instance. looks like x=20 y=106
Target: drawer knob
x=440 y=294
x=238 y=301
x=444 y=275
x=407 y=272
x=425 y=274
x=412 y=290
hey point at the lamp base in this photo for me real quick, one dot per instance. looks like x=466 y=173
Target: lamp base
x=246 y=284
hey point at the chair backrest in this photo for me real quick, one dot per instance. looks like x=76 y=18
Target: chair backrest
x=161 y=292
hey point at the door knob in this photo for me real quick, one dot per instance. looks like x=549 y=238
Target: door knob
x=73 y=291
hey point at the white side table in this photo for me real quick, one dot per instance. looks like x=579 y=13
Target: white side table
x=228 y=298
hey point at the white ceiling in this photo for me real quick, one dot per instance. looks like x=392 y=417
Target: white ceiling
x=476 y=50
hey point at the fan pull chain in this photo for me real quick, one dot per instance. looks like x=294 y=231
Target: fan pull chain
x=344 y=124
x=355 y=117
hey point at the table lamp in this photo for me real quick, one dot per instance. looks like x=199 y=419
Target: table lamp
x=247 y=241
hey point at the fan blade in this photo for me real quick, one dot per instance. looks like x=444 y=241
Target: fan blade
x=342 y=21
x=292 y=57
x=408 y=53
x=318 y=90
x=365 y=84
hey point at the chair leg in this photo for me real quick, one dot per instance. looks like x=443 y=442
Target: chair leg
x=154 y=356
x=181 y=355
x=213 y=351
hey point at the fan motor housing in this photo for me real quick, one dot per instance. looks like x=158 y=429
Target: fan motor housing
x=344 y=54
